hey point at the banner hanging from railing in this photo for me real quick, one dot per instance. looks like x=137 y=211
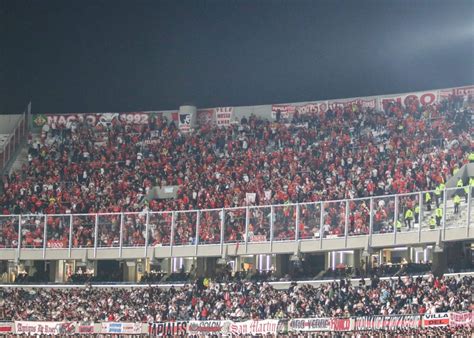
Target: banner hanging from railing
x=254 y=327
x=121 y=328
x=436 y=319
x=167 y=329
x=386 y=322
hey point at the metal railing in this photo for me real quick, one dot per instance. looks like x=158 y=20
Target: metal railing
x=322 y=221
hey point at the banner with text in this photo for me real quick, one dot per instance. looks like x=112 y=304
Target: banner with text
x=254 y=327
x=209 y=327
x=223 y=116
x=122 y=328
x=436 y=319
x=386 y=322
x=167 y=329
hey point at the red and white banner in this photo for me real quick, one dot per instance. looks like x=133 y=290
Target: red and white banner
x=461 y=318
x=38 y=328
x=436 y=319
x=459 y=91
x=312 y=108
x=355 y=103
x=6 y=327
x=205 y=117
x=286 y=110
x=319 y=324
x=418 y=98
x=223 y=116
x=168 y=329
x=93 y=119
x=386 y=322
x=208 y=327
x=122 y=328
x=53 y=243
x=254 y=327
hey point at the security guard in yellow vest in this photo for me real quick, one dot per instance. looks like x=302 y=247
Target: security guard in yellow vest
x=442 y=186
x=398 y=225
x=439 y=215
x=408 y=218
x=466 y=193
x=459 y=183
x=432 y=223
x=417 y=213
x=428 y=201
x=471 y=158
x=455 y=170
x=457 y=202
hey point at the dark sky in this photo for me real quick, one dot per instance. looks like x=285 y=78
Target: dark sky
x=79 y=56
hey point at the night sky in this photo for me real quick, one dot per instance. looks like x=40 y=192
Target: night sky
x=86 y=56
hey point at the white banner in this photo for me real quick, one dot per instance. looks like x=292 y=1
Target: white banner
x=459 y=91
x=223 y=116
x=309 y=324
x=37 y=328
x=208 y=327
x=255 y=327
x=184 y=122
x=124 y=328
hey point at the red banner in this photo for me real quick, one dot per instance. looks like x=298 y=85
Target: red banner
x=461 y=318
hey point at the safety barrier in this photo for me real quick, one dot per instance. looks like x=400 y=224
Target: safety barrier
x=273 y=224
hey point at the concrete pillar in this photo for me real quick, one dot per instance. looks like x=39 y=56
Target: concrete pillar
x=129 y=271
x=356 y=259
x=440 y=263
x=282 y=264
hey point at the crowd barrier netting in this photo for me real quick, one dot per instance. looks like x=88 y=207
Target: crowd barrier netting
x=249 y=327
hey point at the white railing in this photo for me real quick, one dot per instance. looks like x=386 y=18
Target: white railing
x=250 y=224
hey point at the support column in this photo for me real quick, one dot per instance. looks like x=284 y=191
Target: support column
x=440 y=263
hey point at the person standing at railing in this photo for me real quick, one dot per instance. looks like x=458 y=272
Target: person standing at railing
x=408 y=218
x=457 y=201
x=439 y=215
x=417 y=213
x=428 y=201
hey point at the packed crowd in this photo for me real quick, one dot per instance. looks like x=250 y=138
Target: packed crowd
x=239 y=301
x=343 y=153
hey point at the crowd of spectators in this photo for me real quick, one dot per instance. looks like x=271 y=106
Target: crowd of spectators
x=343 y=153
x=239 y=300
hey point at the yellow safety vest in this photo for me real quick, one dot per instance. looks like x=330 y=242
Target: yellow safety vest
x=471 y=157
x=432 y=223
x=417 y=209
x=457 y=199
x=427 y=197
x=439 y=212
x=409 y=214
x=460 y=183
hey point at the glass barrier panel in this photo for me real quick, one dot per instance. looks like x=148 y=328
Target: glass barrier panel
x=185 y=228
x=284 y=222
x=470 y=217
x=108 y=230
x=384 y=213
x=57 y=231
x=134 y=229
x=334 y=219
x=359 y=217
x=159 y=228
x=310 y=219
x=32 y=231
x=408 y=211
x=234 y=225
x=210 y=227
x=259 y=224
x=83 y=231
x=456 y=207
x=9 y=231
